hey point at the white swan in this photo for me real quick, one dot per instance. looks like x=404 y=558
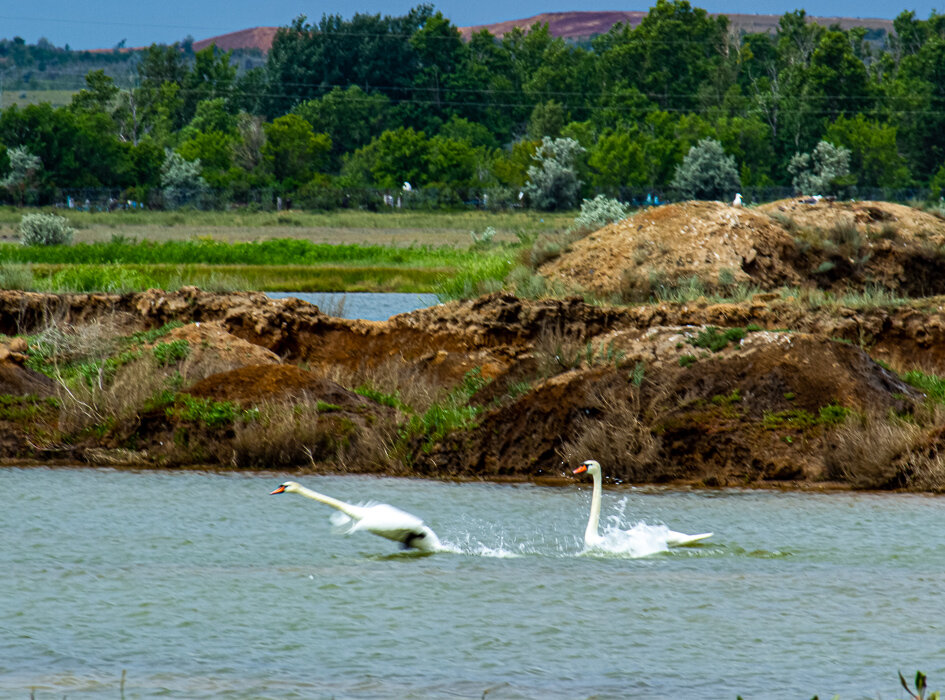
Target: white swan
x=381 y=519
x=591 y=536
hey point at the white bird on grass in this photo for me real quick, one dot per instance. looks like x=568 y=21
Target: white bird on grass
x=380 y=519
x=593 y=539
x=737 y=202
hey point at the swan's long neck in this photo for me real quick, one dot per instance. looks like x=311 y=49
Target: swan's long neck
x=346 y=508
x=590 y=534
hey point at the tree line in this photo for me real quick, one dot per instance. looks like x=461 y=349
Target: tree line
x=380 y=109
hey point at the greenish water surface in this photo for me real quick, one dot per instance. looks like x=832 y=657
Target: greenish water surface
x=198 y=585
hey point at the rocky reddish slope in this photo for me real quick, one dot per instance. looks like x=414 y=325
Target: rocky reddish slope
x=759 y=392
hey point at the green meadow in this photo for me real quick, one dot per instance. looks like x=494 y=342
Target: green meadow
x=343 y=251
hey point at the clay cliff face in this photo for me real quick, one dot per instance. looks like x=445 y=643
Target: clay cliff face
x=720 y=394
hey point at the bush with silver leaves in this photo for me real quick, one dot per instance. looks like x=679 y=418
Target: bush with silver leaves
x=707 y=173
x=598 y=212
x=45 y=229
x=553 y=181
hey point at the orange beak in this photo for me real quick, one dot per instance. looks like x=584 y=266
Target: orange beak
x=281 y=489
x=580 y=470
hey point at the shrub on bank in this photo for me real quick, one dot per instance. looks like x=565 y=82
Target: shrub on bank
x=45 y=229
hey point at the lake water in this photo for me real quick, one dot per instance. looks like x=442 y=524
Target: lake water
x=370 y=306
x=200 y=585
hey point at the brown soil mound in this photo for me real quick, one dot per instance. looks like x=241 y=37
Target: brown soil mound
x=870 y=218
x=712 y=241
x=213 y=349
x=16 y=380
x=757 y=410
x=255 y=383
x=791 y=243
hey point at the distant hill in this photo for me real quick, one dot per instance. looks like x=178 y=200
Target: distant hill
x=255 y=38
x=568 y=25
x=582 y=25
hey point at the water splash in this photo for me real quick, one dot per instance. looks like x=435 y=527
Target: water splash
x=474 y=547
x=641 y=540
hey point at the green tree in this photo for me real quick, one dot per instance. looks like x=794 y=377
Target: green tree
x=460 y=129
x=439 y=49
x=399 y=156
x=485 y=87
x=98 y=95
x=374 y=52
x=293 y=151
x=918 y=96
x=211 y=76
x=351 y=118
x=547 y=119
x=455 y=163
x=669 y=57
x=161 y=74
x=214 y=151
x=838 y=80
x=618 y=160
x=874 y=154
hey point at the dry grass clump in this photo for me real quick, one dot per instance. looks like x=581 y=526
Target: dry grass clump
x=882 y=452
x=394 y=382
x=288 y=434
x=94 y=340
x=86 y=404
x=558 y=349
x=618 y=436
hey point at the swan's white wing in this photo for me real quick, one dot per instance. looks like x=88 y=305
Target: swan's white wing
x=388 y=521
x=681 y=539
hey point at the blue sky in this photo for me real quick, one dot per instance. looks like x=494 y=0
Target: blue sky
x=104 y=23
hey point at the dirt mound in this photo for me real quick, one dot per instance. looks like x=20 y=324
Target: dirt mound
x=667 y=392
x=870 y=218
x=16 y=380
x=836 y=246
x=755 y=410
x=255 y=383
x=715 y=242
x=213 y=349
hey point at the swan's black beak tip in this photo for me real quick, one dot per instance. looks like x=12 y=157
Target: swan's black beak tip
x=281 y=489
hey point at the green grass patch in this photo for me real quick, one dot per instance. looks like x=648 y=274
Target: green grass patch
x=223 y=278
x=279 y=251
x=171 y=353
x=151 y=335
x=25 y=408
x=453 y=413
x=687 y=360
x=717 y=340
x=800 y=419
x=931 y=385
x=213 y=414
x=727 y=399
x=382 y=398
